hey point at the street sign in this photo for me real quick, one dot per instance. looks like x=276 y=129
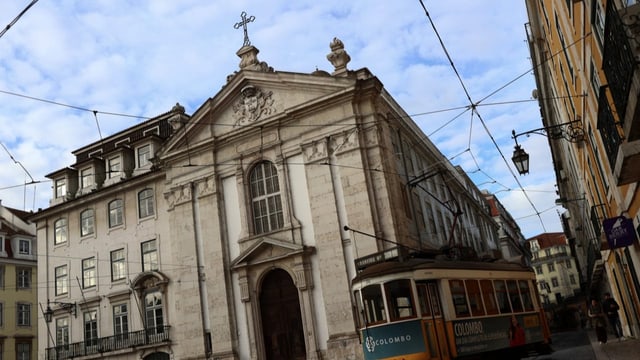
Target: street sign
x=619 y=232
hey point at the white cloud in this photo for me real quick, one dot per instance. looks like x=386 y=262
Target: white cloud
x=141 y=57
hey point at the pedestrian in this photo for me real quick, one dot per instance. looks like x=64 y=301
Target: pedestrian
x=598 y=321
x=610 y=308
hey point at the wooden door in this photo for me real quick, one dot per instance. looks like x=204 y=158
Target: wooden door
x=281 y=320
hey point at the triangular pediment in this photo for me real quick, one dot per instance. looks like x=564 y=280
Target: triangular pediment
x=267 y=249
x=252 y=99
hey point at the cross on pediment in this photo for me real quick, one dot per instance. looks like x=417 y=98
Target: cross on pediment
x=243 y=24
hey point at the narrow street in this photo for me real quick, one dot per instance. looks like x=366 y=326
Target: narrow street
x=570 y=345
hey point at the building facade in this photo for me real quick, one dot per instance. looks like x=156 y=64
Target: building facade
x=18 y=286
x=588 y=83
x=511 y=240
x=234 y=232
x=555 y=266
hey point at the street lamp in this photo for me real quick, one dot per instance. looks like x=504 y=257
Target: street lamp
x=70 y=307
x=571 y=131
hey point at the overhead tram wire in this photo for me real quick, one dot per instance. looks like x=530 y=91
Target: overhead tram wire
x=473 y=107
x=15 y=20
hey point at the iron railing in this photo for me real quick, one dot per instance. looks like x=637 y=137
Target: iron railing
x=148 y=336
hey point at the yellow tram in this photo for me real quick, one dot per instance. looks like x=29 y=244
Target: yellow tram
x=445 y=309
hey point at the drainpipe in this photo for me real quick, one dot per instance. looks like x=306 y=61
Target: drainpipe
x=202 y=291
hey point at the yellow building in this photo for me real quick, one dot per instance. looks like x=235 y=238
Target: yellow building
x=584 y=60
x=18 y=288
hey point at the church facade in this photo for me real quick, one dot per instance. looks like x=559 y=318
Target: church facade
x=234 y=232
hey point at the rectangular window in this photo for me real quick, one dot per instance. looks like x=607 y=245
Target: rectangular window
x=539 y=269
x=373 y=304
x=145 y=203
x=86 y=222
x=117 y=265
x=547 y=252
x=502 y=296
x=23 y=278
x=459 y=297
x=62 y=280
x=23 y=314
x=120 y=321
x=114 y=167
x=1 y=277
x=86 y=177
x=1 y=314
x=62 y=331
x=475 y=297
x=554 y=282
x=61 y=188
x=60 y=227
x=568 y=263
x=144 y=154
x=401 y=304
x=489 y=297
x=23 y=350
x=149 y=256
x=154 y=313
x=91 y=328
x=551 y=267
x=89 y=272
x=116 y=213
x=24 y=247
x=514 y=296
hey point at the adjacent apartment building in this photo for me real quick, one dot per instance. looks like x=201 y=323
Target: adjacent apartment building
x=584 y=56
x=556 y=271
x=233 y=232
x=18 y=286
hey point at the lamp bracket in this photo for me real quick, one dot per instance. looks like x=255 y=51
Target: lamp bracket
x=571 y=131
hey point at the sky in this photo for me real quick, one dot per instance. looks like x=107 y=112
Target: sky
x=73 y=71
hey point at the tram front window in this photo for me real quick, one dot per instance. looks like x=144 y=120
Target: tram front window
x=399 y=299
x=373 y=304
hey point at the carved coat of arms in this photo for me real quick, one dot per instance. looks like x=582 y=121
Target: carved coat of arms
x=252 y=105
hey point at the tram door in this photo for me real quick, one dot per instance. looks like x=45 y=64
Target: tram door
x=432 y=321
x=281 y=320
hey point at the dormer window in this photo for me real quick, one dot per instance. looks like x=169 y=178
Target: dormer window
x=86 y=178
x=114 y=167
x=61 y=187
x=24 y=247
x=143 y=155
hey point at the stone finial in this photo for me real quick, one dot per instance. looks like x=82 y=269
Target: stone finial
x=178 y=119
x=249 y=59
x=338 y=57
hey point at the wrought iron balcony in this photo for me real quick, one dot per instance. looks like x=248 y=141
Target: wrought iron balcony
x=151 y=336
x=620 y=65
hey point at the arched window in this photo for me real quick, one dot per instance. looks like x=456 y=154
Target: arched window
x=86 y=222
x=145 y=203
x=265 y=198
x=115 y=213
x=60 y=227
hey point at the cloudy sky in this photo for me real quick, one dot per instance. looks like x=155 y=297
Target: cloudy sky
x=134 y=59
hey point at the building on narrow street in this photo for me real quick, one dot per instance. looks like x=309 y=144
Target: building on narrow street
x=233 y=232
x=588 y=85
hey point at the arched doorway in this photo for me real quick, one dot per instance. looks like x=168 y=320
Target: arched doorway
x=281 y=320
x=157 y=356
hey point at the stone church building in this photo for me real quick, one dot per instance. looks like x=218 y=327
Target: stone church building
x=233 y=232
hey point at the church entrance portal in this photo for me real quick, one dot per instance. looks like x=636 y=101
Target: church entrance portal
x=281 y=319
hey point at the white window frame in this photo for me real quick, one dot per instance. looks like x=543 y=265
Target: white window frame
x=89 y=272
x=62 y=280
x=61 y=188
x=23 y=278
x=143 y=155
x=87 y=178
x=149 y=255
x=24 y=247
x=114 y=167
x=118 y=265
x=60 y=231
x=23 y=314
x=87 y=222
x=267 y=211
x=116 y=213
x=146 y=206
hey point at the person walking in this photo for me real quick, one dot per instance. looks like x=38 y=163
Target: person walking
x=610 y=308
x=597 y=319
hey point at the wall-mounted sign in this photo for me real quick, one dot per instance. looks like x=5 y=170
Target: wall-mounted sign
x=619 y=232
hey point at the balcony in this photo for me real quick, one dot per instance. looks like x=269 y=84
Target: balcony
x=621 y=133
x=100 y=346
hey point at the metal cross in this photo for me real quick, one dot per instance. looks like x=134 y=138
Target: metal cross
x=243 y=23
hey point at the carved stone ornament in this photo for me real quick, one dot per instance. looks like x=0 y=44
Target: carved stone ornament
x=253 y=105
x=338 y=57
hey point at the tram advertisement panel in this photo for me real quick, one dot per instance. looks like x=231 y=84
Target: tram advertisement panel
x=392 y=340
x=477 y=335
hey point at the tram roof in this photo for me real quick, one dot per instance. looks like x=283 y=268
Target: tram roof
x=391 y=267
